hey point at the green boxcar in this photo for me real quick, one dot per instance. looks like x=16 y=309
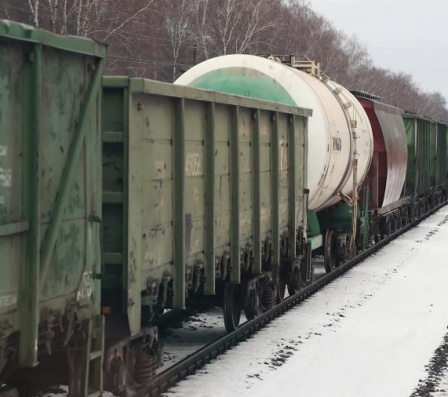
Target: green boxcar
x=50 y=186
x=446 y=155
x=440 y=167
x=433 y=155
x=418 y=175
x=192 y=177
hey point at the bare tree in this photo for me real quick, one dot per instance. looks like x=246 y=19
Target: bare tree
x=259 y=18
x=233 y=26
x=53 y=7
x=85 y=14
x=34 y=8
x=224 y=30
x=155 y=39
x=200 y=12
x=177 y=24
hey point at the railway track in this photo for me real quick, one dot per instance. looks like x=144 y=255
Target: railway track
x=179 y=371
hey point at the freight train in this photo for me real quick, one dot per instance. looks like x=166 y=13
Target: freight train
x=121 y=198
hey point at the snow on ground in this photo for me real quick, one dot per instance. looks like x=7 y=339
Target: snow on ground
x=198 y=331
x=372 y=332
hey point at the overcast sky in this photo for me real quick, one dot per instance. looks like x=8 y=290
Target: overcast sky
x=402 y=35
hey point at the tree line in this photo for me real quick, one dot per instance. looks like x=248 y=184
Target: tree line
x=160 y=39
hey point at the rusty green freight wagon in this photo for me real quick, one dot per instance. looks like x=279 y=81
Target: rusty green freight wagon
x=422 y=163
x=418 y=132
x=194 y=180
x=438 y=166
x=438 y=155
x=50 y=186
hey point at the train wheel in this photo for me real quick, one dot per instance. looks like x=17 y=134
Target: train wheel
x=329 y=254
x=294 y=286
x=232 y=307
x=252 y=305
x=292 y=290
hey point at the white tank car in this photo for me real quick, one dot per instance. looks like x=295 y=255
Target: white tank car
x=339 y=131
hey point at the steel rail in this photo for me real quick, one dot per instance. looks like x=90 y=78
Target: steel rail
x=179 y=371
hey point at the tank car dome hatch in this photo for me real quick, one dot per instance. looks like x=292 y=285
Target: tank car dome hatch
x=339 y=131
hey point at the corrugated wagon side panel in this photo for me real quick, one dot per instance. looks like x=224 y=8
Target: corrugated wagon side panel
x=418 y=176
x=11 y=174
x=433 y=154
x=265 y=171
x=195 y=130
x=158 y=193
x=283 y=171
x=50 y=203
x=157 y=125
x=441 y=154
x=201 y=184
x=63 y=92
x=222 y=184
x=246 y=174
x=446 y=156
x=301 y=130
x=423 y=159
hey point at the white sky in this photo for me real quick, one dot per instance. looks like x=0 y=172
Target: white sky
x=401 y=35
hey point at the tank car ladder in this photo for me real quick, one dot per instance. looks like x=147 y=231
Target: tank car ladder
x=93 y=376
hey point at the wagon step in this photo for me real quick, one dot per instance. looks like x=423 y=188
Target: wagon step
x=93 y=377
